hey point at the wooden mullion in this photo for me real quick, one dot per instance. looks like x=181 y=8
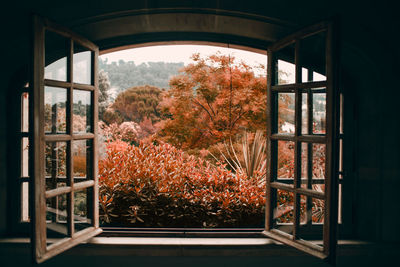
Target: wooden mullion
x=298 y=85
x=70 y=128
x=309 y=149
x=95 y=116
x=269 y=146
x=57 y=137
x=297 y=148
x=331 y=208
x=320 y=139
x=84 y=87
x=36 y=127
x=55 y=83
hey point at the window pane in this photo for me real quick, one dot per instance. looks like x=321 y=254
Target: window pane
x=285 y=112
x=56 y=217
x=25 y=112
x=319 y=156
x=81 y=156
x=82 y=111
x=312 y=229
x=25 y=202
x=285 y=160
x=319 y=113
x=304 y=75
x=304 y=162
x=83 y=211
x=56 y=52
x=25 y=157
x=55 y=103
x=56 y=166
x=313 y=56
x=82 y=65
x=285 y=68
x=283 y=212
x=304 y=114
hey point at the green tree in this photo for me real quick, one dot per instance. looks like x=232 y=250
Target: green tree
x=137 y=103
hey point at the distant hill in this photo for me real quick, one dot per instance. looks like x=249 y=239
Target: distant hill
x=125 y=75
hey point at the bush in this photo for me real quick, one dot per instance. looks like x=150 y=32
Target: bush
x=161 y=186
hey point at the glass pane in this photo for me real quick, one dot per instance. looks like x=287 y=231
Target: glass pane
x=56 y=217
x=318 y=161
x=304 y=113
x=285 y=112
x=304 y=162
x=83 y=210
x=285 y=68
x=56 y=166
x=25 y=202
x=304 y=217
x=313 y=55
x=304 y=75
x=319 y=113
x=25 y=157
x=283 y=212
x=81 y=156
x=82 y=68
x=82 y=111
x=25 y=112
x=56 y=52
x=285 y=168
x=55 y=103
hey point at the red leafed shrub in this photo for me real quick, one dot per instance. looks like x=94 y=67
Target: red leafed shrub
x=161 y=186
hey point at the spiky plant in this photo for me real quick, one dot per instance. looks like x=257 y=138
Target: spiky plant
x=254 y=156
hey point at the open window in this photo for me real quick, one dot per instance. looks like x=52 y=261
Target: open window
x=64 y=150
x=310 y=192
x=63 y=158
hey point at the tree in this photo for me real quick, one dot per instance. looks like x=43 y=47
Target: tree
x=104 y=87
x=137 y=103
x=211 y=101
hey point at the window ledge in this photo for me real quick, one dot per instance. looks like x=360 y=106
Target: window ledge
x=172 y=246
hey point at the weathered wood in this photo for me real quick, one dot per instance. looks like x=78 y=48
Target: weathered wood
x=39 y=138
x=330 y=195
x=305 y=246
x=269 y=164
x=294 y=86
x=36 y=166
x=320 y=139
x=67 y=243
x=95 y=116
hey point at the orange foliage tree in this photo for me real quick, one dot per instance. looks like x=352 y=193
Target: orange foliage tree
x=211 y=101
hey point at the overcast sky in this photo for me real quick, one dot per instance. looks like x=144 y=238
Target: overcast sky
x=180 y=53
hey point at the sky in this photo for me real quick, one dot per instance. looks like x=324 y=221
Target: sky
x=180 y=53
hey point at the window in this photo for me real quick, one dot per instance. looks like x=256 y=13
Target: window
x=67 y=86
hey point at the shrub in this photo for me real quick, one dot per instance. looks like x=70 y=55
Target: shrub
x=161 y=186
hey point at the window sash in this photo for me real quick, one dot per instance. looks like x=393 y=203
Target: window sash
x=330 y=139
x=38 y=139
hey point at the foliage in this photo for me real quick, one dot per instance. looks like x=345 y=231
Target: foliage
x=253 y=163
x=104 y=88
x=161 y=186
x=137 y=103
x=211 y=101
x=124 y=75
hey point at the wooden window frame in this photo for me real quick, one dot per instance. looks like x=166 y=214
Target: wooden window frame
x=330 y=139
x=38 y=139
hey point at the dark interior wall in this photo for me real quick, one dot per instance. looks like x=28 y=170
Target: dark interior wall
x=369 y=59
